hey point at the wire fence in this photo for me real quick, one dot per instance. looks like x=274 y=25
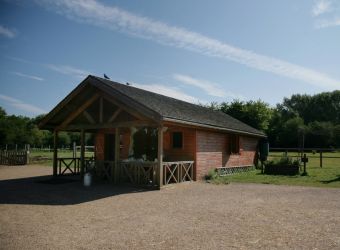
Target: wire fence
x=320 y=154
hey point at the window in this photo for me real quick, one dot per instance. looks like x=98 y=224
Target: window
x=234 y=144
x=177 y=140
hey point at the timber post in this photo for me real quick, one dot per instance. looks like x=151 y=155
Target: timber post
x=160 y=157
x=116 y=170
x=82 y=153
x=304 y=159
x=55 y=153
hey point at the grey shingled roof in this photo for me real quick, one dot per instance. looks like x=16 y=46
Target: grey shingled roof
x=177 y=110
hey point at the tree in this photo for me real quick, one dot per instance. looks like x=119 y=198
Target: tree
x=320 y=134
x=321 y=107
x=290 y=134
x=2 y=113
x=254 y=113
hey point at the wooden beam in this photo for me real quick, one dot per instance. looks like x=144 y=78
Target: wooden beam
x=82 y=153
x=89 y=117
x=195 y=156
x=114 y=116
x=126 y=108
x=111 y=125
x=160 y=157
x=101 y=110
x=117 y=156
x=55 y=153
x=63 y=103
x=78 y=111
x=125 y=100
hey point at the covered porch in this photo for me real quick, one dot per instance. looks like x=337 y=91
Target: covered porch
x=132 y=141
x=117 y=168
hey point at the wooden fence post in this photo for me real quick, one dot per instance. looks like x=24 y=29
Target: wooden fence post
x=55 y=153
x=28 y=151
x=320 y=159
x=160 y=156
x=116 y=170
x=74 y=150
x=82 y=153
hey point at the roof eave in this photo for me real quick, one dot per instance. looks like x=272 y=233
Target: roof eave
x=169 y=119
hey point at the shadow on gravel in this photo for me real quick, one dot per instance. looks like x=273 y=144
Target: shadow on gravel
x=43 y=190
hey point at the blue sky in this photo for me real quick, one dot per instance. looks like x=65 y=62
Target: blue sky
x=197 y=51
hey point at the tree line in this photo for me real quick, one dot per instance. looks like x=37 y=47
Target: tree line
x=19 y=131
x=310 y=119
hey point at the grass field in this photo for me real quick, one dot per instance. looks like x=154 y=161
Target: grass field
x=47 y=156
x=327 y=176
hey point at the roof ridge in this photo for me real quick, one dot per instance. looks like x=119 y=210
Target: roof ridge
x=178 y=100
x=131 y=86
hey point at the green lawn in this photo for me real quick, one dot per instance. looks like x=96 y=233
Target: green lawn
x=48 y=156
x=327 y=176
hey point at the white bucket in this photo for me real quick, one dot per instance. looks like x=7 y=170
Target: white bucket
x=87 y=179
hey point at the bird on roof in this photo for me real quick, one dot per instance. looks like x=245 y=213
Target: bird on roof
x=128 y=84
x=106 y=77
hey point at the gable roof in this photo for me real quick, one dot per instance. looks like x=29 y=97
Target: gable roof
x=164 y=108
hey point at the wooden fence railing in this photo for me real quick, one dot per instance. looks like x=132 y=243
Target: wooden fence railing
x=178 y=171
x=13 y=157
x=70 y=165
x=144 y=173
x=138 y=172
x=134 y=172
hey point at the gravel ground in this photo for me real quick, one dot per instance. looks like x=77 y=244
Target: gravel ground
x=184 y=216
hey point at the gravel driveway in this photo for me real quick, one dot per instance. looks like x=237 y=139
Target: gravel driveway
x=37 y=215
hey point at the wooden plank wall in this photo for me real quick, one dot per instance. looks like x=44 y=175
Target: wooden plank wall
x=13 y=157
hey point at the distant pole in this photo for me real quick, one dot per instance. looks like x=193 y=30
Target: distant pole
x=304 y=164
x=320 y=159
x=303 y=141
x=28 y=149
x=16 y=147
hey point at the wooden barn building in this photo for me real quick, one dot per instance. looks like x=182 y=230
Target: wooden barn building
x=147 y=138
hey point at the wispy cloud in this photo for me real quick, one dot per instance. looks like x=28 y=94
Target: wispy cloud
x=167 y=91
x=6 y=32
x=94 y=12
x=68 y=70
x=21 y=105
x=321 y=6
x=325 y=23
x=21 y=60
x=62 y=69
x=321 y=11
x=211 y=88
x=37 y=78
